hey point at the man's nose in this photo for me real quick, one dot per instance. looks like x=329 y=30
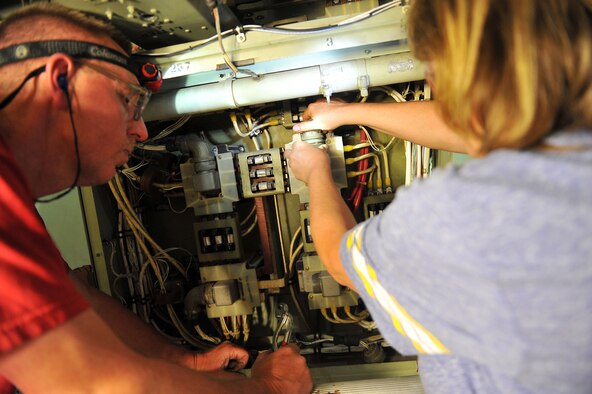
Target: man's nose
x=137 y=129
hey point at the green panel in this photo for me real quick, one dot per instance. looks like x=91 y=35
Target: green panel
x=65 y=223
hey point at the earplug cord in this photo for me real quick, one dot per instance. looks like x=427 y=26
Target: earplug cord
x=8 y=99
x=62 y=194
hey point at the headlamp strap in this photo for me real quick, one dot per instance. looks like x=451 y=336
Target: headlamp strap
x=76 y=49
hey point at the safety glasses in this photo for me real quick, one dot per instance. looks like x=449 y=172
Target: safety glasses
x=136 y=97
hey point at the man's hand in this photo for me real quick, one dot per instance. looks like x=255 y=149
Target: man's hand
x=283 y=371
x=305 y=159
x=322 y=116
x=225 y=356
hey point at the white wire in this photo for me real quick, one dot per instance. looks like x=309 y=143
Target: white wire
x=152 y=148
x=276 y=30
x=250 y=229
x=225 y=56
x=173 y=209
x=168 y=130
x=373 y=12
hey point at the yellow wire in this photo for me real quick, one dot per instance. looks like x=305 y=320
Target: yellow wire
x=225 y=329
x=251 y=213
x=183 y=331
x=385 y=160
x=294 y=255
x=353 y=174
x=141 y=243
x=246 y=329
x=326 y=316
x=267 y=138
x=205 y=336
x=235 y=329
x=141 y=228
x=294 y=238
x=251 y=228
x=339 y=319
x=356 y=318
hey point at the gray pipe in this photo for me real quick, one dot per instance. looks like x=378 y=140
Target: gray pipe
x=285 y=85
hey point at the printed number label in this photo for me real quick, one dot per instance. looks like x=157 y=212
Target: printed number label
x=178 y=68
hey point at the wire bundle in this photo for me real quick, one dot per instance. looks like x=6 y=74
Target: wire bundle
x=355 y=197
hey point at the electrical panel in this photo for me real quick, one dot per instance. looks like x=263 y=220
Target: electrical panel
x=205 y=234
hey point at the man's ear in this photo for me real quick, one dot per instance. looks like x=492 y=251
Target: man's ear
x=60 y=69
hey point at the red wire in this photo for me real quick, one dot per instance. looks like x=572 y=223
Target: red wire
x=356 y=195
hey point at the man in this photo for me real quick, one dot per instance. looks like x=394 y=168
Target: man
x=70 y=113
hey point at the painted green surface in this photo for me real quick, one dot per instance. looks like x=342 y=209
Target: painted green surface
x=64 y=221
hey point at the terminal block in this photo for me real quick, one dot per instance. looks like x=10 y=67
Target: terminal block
x=374 y=205
x=218 y=239
x=263 y=173
x=323 y=291
x=307 y=242
x=226 y=290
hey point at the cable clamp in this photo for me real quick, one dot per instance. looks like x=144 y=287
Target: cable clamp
x=240 y=34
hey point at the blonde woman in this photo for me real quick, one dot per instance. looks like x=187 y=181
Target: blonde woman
x=482 y=270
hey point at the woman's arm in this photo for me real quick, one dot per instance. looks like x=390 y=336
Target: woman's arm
x=415 y=121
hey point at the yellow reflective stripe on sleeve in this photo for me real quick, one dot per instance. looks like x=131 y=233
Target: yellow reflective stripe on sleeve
x=362 y=270
x=398 y=326
x=422 y=339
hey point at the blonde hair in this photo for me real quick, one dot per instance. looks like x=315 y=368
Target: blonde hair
x=507 y=72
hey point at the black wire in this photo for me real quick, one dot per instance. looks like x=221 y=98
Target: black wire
x=62 y=194
x=8 y=99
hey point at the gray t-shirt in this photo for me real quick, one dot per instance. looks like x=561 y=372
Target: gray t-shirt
x=485 y=270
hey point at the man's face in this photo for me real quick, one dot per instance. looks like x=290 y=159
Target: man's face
x=105 y=119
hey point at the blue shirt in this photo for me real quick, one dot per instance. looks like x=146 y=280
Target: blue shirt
x=485 y=271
